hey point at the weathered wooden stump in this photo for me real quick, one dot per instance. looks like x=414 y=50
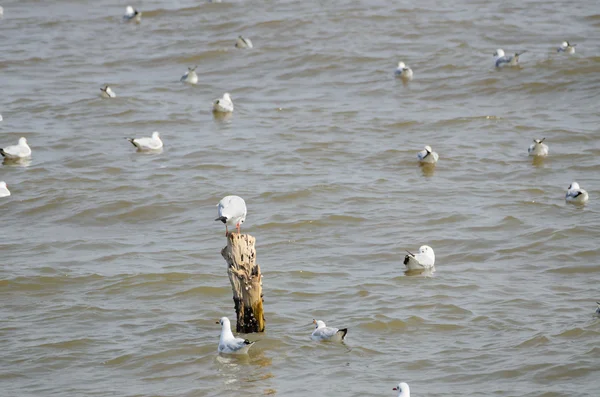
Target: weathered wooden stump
x=246 y=282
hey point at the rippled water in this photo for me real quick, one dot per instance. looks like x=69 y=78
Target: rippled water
x=112 y=279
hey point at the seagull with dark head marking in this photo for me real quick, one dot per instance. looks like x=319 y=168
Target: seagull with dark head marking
x=576 y=195
x=427 y=155
x=566 y=47
x=425 y=259
x=132 y=15
x=19 y=151
x=190 y=76
x=403 y=389
x=231 y=211
x=147 y=144
x=224 y=104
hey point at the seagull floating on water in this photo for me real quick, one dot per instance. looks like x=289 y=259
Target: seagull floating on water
x=403 y=389
x=538 y=148
x=232 y=212
x=425 y=259
x=323 y=332
x=18 y=151
x=4 y=192
x=132 y=15
x=107 y=92
x=576 y=195
x=504 y=60
x=428 y=156
x=566 y=47
x=190 y=76
x=229 y=344
x=243 y=42
x=404 y=72
x=223 y=105
x=147 y=144
x=598 y=309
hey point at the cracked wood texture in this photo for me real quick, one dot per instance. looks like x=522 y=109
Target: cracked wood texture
x=246 y=282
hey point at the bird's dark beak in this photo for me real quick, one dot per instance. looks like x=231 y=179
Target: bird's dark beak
x=217 y=322
x=395 y=388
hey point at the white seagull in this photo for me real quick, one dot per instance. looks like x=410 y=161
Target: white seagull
x=575 y=194
x=566 y=47
x=228 y=343
x=223 y=105
x=232 y=212
x=243 y=42
x=107 y=92
x=132 y=15
x=190 y=76
x=147 y=144
x=504 y=60
x=425 y=259
x=4 y=192
x=427 y=155
x=18 y=151
x=403 y=389
x=323 y=332
x=538 y=148
x=404 y=71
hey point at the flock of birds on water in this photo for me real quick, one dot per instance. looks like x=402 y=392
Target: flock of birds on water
x=232 y=210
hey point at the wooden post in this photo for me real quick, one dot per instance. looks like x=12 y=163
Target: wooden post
x=246 y=282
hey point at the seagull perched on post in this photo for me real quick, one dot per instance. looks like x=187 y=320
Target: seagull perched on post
x=500 y=59
x=232 y=212
x=228 y=343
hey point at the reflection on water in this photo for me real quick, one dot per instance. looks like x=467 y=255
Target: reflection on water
x=427 y=169
x=418 y=272
x=24 y=162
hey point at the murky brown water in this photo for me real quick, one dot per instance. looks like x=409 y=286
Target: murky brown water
x=112 y=280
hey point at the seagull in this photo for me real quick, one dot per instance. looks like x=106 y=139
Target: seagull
x=323 y=332
x=242 y=42
x=224 y=104
x=107 y=92
x=538 y=148
x=147 y=144
x=190 y=76
x=131 y=14
x=232 y=212
x=403 y=389
x=230 y=344
x=598 y=309
x=566 y=47
x=425 y=259
x=4 y=192
x=502 y=60
x=427 y=155
x=404 y=72
x=19 y=151
x=575 y=194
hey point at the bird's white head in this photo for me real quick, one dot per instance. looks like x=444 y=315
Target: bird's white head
x=319 y=324
x=499 y=53
x=22 y=141
x=403 y=389
x=573 y=185
x=224 y=321
x=401 y=65
x=428 y=149
x=155 y=135
x=427 y=250
x=564 y=44
x=226 y=96
x=129 y=10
